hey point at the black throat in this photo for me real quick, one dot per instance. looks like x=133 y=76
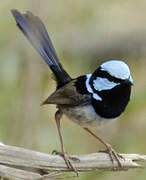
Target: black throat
x=113 y=102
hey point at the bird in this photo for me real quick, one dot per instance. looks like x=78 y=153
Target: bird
x=88 y=100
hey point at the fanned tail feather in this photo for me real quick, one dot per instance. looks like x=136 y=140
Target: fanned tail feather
x=35 y=31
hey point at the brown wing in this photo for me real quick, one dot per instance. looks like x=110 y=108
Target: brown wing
x=67 y=95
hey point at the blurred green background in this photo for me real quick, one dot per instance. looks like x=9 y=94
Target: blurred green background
x=84 y=33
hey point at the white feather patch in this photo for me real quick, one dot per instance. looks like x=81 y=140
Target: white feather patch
x=89 y=89
x=103 y=84
x=117 y=69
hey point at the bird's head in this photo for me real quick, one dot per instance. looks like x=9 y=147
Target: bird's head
x=110 y=86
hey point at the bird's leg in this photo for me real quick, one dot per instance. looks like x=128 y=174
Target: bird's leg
x=109 y=149
x=58 y=116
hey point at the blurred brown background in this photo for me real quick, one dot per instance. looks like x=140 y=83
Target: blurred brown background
x=84 y=33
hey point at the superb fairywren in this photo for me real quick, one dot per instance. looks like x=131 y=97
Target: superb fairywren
x=88 y=100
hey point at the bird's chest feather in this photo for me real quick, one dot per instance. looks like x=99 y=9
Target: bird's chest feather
x=84 y=115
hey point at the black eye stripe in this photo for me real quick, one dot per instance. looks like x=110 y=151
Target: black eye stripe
x=104 y=74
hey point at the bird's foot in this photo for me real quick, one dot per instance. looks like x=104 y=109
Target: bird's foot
x=113 y=155
x=67 y=160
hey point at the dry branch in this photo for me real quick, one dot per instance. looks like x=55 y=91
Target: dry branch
x=19 y=163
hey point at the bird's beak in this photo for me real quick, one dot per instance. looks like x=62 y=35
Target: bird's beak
x=131 y=80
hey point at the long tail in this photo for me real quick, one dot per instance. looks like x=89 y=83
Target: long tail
x=35 y=31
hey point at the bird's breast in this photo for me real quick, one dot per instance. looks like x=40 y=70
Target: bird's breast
x=85 y=116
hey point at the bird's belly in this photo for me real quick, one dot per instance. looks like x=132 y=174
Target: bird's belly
x=84 y=116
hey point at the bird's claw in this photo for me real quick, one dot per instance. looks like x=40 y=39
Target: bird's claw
x=67 y=160
x=62 y=155
x=113 y=155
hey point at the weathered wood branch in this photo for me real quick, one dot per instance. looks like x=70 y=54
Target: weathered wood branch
x=19 y=163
